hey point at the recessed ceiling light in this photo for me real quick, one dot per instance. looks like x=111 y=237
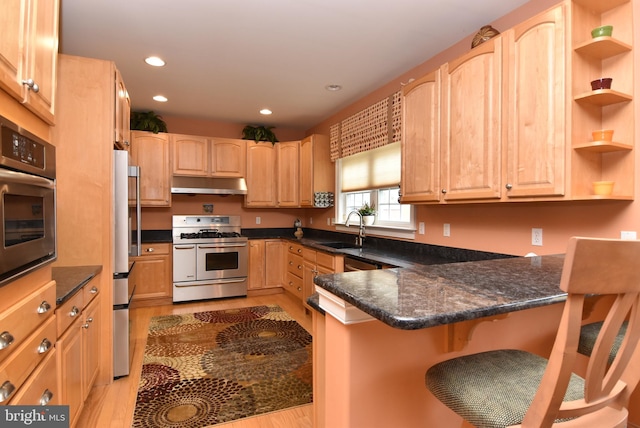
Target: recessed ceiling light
x=333 y=88
x=265 y=111
x=155 y=61
x=160 y=98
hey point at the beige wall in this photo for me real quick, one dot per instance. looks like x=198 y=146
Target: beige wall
x=507 y=227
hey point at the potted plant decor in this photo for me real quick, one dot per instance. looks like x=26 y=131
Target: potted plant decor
x=259 y=133
x=147 y=121
x=368 y=212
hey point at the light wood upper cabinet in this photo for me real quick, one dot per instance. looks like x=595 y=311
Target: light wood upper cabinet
x=190 y=155
x=471 y=124
x=261 y=175
x=288 y=168
x=123 y=114
x=228 y=157
x=535 y=120
x=151 y=153
x=420 y=174
x=29 y=53
x=317 y=172
x=208 y=157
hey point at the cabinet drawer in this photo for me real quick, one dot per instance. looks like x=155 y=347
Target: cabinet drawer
x=294 y=264
x=90 y=291
x=325 y=260
x=18 y=322
x=294 y=284
x=17 y=368
x=309 y=255
x=152 y=249
x=294 y=248
x=69 y=312
x=42 y=387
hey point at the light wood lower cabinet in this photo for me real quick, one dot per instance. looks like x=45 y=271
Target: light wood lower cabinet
x=317 y=263
x=152 y=274
x=266 y=264
x=27 y=338
x=79 y=347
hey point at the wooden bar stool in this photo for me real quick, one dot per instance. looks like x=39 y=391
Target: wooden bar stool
x=506 y=388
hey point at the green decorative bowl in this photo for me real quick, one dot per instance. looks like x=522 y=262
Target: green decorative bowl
x=605 y=30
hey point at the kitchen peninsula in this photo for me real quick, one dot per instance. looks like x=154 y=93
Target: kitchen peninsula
x=383 y=329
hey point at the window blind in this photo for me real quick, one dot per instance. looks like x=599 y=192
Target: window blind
x=373 y=169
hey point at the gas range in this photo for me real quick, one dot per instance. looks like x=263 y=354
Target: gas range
x=206 y=229
x=210 y=257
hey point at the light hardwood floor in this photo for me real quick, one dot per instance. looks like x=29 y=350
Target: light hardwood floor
x=112 y=405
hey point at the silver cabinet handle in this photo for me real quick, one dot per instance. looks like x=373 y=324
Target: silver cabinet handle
x=46 y=397
x=44 y=346
x=444 y=191
x=150 y=250
x=6 y=390
x=29 y=83
x=299 y=267
x=509 y=186
x=93 y=290
x=6 y=339
x=74 y=311
x=89 y=320
x=299 y=289
x=44 y=307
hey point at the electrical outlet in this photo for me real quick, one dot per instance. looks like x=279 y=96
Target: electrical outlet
x=629 y=235
x=328 y=221
x=258 y=220
x=310 y=221
x=536 y=237
x=421 y=228
x=446 y=229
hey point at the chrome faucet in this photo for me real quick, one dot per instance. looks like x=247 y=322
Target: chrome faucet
x=360 y=237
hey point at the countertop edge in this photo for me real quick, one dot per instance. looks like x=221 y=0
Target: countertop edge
x=70 y=279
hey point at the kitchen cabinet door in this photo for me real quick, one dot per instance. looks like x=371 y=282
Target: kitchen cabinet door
x=91 y=344
x=70 y=369
x=471 y=124
x=316 y=169
x=535 y=107
x=123 y=114
x=29 y=53
x=151 y=153
x=152 y=274
x=288 y=158
x=256 y=264
x=274 y=263
x=228 y=157
x=420 y=174
x=261 y=175
x=190 y=155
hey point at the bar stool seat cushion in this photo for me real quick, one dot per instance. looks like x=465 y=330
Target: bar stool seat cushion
x=493 y=389
x=589 y=334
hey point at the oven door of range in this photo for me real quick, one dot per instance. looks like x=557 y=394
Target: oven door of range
x=222 y=260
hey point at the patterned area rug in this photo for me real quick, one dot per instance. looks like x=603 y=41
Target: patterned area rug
x=210 y=367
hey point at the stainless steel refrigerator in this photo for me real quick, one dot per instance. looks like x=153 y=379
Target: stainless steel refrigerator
x=127 y=242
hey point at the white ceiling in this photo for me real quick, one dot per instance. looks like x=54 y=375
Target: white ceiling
x=227 y=59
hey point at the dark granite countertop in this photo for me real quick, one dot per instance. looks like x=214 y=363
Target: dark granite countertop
x=426 y=296
x=70 y=279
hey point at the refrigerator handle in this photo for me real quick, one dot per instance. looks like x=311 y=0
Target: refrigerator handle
x=134 y=171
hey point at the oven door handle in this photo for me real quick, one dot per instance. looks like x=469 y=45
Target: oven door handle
x=184 y=247
x=209 y=282
x=221 y=245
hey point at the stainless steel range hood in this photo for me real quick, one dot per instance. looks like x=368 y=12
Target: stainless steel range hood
x=209 y=185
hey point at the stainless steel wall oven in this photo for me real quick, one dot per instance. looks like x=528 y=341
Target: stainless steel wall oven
x=27 y=201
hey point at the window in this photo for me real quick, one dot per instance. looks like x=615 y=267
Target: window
x=372 y=177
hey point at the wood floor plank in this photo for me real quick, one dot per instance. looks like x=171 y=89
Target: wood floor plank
x=113 y=405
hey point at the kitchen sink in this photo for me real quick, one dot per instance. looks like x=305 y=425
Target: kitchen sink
x=338 y=245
